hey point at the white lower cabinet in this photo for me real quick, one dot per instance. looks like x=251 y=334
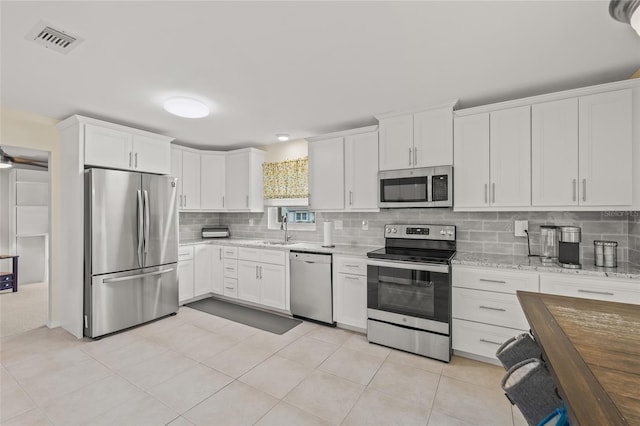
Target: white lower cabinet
x=185 y=273
x=623 y=291
x=208 y=264
x=262 y=277
x=485 y=308
x=350 y=291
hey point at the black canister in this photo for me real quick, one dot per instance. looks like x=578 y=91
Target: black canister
x=569 y=247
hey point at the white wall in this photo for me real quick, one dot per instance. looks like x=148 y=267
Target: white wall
x=28 y=130
x=285 y=151
x=5 y=214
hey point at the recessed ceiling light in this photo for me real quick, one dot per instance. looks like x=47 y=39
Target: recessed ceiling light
x=186 y=107
x=283 y=137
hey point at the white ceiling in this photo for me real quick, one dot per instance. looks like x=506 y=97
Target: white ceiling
x=303 y=68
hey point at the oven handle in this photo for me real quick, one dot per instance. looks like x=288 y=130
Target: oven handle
x=414 y=266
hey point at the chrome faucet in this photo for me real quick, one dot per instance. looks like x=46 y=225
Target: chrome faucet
x=284 y=226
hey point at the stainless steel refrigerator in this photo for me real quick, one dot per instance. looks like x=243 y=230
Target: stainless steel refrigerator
x=131 y=249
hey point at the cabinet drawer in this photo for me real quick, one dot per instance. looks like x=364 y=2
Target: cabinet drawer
x=230 y=287
x=264 y=256
x=185 y=253
x=230 y=252
x=7 y=278
x=591 y=288
x=350 y=265
x=480 y=339
x=230 y=268
x=488 y=307
x=494 y=280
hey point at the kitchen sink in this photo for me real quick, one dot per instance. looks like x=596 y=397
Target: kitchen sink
x=277 y=243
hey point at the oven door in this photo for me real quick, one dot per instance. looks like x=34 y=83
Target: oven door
x=409 y=294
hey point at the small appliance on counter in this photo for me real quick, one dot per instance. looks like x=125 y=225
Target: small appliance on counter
x=569 y=247
x=215 y=232
x=549 y=238
x=605 y=253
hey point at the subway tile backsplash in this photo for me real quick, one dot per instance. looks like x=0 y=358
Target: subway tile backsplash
x=485 y=232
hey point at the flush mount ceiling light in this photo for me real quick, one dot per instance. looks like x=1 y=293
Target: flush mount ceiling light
x=282 y=137
x=186 y=107
x=626 y=11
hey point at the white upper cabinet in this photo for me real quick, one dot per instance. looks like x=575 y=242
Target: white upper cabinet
x=326 y=174
x=554 y=153
x=582 y=151
x=471 y=161
x=417 y=139
x=361 y=171
x=243 y=180
x=119 y=147
x=510 y=157
x=396 y=142
x=343 y=170
x=605 y=152
x=190 y=181
x=212 y=180
x=492 y=162
x=433 y=138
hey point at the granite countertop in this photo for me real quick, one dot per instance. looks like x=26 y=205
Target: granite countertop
x=524 y=263
x=343 y=249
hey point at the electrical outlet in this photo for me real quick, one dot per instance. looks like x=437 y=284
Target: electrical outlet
x=519 y=226
x=365 y=225
x=337 y=225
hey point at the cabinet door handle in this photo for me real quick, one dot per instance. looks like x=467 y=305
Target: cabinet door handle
x=229 y=288
x=351 y=266
x=605 y=293
x=492 y=281
x=584 y=190
x=223 y=201
x=493 y=192
x=348 y=277
x=350 y=198
x=129 y=159
x=256 y=272
x=490 y=341
x=220 y=254
x=260 y=272
x=247 y=201
x=410 y=156
x=486 y=196
x=574 y=189
x=492 y=308
x=415 y=156
x=136 y=160
x=185 y=200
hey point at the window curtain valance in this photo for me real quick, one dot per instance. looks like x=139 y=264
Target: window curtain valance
x=286 y=179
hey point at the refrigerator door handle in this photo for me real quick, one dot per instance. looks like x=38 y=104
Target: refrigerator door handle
x=146 y=221
x=134 y=277
x=140 y=227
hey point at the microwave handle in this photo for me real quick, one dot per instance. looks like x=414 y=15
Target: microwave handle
x=429 y=188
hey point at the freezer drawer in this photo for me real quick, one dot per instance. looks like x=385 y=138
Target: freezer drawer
x=117 y=301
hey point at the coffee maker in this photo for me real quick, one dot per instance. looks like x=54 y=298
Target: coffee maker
x=569 y=247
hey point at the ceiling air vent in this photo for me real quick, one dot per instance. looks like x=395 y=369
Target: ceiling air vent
x=45 y=35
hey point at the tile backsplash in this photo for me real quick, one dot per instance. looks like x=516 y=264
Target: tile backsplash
x=489 y=232
x=634 y=238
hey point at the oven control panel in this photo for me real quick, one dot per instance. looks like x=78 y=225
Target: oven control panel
x=422 y=232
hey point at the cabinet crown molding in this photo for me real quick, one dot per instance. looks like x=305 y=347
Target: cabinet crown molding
x=79 y=119
x=582 y=91
x=447 y=104
x=343 y=133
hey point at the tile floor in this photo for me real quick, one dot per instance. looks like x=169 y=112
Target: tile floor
x=198 y=369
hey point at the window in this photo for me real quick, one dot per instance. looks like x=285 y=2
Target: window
x=298 y=218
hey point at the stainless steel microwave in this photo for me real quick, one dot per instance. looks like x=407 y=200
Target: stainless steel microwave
x=419 y=187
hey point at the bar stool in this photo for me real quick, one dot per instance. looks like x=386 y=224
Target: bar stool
x=518 y=349
x=529 y=385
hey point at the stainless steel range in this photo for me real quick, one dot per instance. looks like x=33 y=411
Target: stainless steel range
x=409 y=290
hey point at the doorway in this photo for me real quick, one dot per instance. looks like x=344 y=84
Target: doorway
x=25 y=217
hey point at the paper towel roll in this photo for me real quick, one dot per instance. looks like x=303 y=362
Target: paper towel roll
x=328 y=234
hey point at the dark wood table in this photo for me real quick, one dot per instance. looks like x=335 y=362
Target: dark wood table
x=9 y=280
x=592 y=349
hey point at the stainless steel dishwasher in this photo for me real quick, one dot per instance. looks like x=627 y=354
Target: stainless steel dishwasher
x=311 y=286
